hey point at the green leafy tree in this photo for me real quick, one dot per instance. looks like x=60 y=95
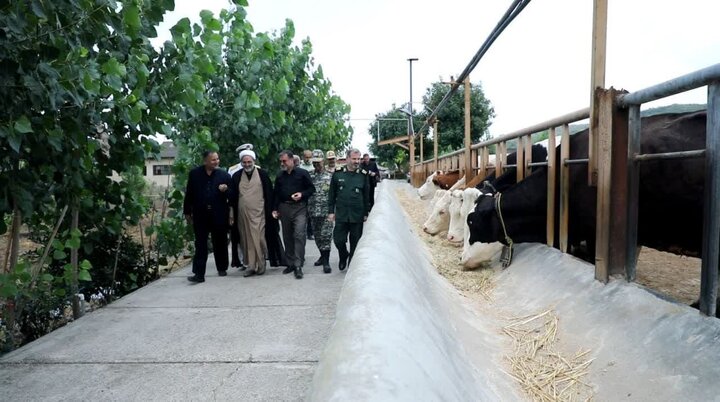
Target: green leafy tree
x=82 y=88
x=451 y=117
x=392 y=156
x=270 y=93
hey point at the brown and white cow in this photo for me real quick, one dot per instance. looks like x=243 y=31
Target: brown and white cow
x=439 y=218
x=439 y=180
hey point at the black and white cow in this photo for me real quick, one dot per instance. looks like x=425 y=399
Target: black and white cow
x=670 y=198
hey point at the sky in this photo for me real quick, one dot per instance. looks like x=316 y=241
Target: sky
x=538 y=69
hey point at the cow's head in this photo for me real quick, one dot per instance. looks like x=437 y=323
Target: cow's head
x=428 y=188
x=456 y=228
x=439 y=218
x=522 y=207
x=482 y=222
x=445 y=180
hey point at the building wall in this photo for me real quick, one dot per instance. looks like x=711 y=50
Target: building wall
x=158 y=171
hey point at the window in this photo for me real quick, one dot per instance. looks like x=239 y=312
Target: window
x=161 y=170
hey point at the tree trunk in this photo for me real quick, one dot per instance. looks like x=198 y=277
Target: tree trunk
x=39 y=267
x=74 y=287
x=10 y=263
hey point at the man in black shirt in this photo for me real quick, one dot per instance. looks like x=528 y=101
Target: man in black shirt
x=206 y=208
x=373 y=175
x=293 y=187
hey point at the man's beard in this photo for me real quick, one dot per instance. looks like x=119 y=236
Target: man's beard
x=249 y=169
x=283 y=168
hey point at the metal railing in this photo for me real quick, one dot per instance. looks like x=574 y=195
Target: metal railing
x=709 y=77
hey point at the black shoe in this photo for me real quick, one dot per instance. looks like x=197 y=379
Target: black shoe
x=222 y=273
x=289 y=269
x=319 y=262
x=235 y=264
x=298 y=273
x=251 y=272
x=327 y=269
x=342 y=264
x=196 y=279
x=325 y=257
x=243 y=267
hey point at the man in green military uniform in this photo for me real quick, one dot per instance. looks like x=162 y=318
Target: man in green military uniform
x=348 y=205
x=318 y=209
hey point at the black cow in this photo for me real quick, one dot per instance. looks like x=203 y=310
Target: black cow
x=670 y=200
x=491 y=184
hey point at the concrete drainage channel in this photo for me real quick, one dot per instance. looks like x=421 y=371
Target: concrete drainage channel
x=403 y=333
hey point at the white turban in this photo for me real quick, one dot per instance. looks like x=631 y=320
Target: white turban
x=247 y=152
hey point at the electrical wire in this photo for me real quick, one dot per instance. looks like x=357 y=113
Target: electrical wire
x=513 y=11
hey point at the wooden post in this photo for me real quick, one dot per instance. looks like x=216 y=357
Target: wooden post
x=520 y=160
x=551 y=189
x=597 y=80
x=564 y=188
x=528 y=154
x=421 y=138
x=611 y=217
x=469 y=172
x=435 y=142
x=483 y=161
x=499 y=158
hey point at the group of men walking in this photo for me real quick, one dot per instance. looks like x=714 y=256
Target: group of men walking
x=334 y=202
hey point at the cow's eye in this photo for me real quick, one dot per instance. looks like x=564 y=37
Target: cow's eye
x=442 y=212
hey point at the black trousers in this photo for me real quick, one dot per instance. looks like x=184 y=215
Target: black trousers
x=372 y=193
x=340 y=237
x=293 y=218
x=235 y=245
x=203 y=226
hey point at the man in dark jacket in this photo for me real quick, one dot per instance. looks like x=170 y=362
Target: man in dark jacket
x=293 y=188
x=348 y=205
x=373 y=176
x=206 y=208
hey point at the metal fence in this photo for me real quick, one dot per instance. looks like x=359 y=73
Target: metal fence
x=617 y=219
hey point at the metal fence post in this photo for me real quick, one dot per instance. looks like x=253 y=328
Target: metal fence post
x=711 y=226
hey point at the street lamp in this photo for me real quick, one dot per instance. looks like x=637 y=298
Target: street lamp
x=411 y=129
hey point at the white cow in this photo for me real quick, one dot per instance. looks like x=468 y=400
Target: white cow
x=438 y=195
x=428 y=188
x=457 y=223
x=478 y=254
x=439 y=218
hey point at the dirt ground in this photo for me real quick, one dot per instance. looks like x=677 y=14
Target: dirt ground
x=674 y=276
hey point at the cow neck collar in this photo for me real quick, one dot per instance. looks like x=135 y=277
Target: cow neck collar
x=506 y=256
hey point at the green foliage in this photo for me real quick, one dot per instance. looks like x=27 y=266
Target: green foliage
x=451 y=125
x=391 y=156
x=270 y=93
x=451 y=117
x=82 y=88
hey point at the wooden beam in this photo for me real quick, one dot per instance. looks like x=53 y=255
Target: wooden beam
x=597 y=80
x=394 y=140
x=550 y=239
x=403 y=146
x=564 y=188
x=602 y=220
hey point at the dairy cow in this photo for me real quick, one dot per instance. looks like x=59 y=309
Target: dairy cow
x=670 y=197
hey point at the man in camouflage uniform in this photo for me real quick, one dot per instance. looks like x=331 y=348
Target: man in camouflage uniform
x=318 y=210
x=348 y=205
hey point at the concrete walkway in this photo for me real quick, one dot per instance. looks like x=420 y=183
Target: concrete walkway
x=230 y=338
